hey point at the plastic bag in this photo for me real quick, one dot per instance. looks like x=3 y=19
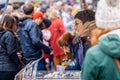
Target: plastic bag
x=29 y=72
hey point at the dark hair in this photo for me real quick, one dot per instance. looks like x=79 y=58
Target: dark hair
x=16 y=6
x=85 y=16
x=45 y=24
x=8 y=23
x=43 y=10
x=1 y=11
x=28 y=8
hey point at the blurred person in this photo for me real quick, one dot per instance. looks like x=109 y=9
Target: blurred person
x=29 y=35
x=44 y=21
x=82 y=18
x=52 y=4
x=68 y=19
x=44 y=4
x=15 y=11
x=47 y=57
x=45 y=34
x=9 y=9
x=57 y=29
x=38 y=17
x=102 y=61
x=68 y=40
x=89 y=6
x=21 y=14
x=43 y=10
x=73 y=5
x=94 y=4
x=62 y=7
x=58 y=5
x=16 y=6
x=19 y=50
x=41 y=21
x=9 y=61
x=47 y=12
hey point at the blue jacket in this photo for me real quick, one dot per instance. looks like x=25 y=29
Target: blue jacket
x=8 y=58
x=31 y=44
x=77 y=50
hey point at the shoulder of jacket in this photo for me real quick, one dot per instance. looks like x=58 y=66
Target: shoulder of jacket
x=93 y=50
x=8 y=33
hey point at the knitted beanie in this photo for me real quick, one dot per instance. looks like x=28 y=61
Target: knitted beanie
x=38 y=15
x=108 y=14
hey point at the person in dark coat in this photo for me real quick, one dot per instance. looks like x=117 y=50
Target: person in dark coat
x=44 y=23
x=9 y=61
x=29 y=35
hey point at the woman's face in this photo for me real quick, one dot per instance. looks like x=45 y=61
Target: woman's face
x=38 y=21
x=79 y=26
x=15 y=27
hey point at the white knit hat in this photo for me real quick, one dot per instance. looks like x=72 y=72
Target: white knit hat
x=108 y=14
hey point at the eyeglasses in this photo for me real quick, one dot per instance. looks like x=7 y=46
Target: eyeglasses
x=76 y=24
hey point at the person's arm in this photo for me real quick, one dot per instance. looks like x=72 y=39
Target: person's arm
x=11 y=49
x=35 y=37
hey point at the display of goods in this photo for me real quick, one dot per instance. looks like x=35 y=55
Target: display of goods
x=30 y=72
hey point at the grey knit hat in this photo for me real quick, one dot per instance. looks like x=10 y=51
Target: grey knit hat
x=108 y=14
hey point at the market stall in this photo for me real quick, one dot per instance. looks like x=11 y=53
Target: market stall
x=30 y=72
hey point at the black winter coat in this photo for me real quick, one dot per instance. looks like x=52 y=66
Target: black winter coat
x=9 y=60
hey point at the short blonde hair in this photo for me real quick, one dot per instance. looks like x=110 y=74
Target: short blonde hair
x=53 y=14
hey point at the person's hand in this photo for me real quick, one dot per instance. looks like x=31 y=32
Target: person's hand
x=51 y=53
x=47 y=60
x=51 y=50
x=19 y=55
x=63 y=68
x=47 y=49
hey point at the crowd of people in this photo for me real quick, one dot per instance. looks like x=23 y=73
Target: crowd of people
x=61 y=34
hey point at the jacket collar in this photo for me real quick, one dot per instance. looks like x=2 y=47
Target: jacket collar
x=117 y=32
